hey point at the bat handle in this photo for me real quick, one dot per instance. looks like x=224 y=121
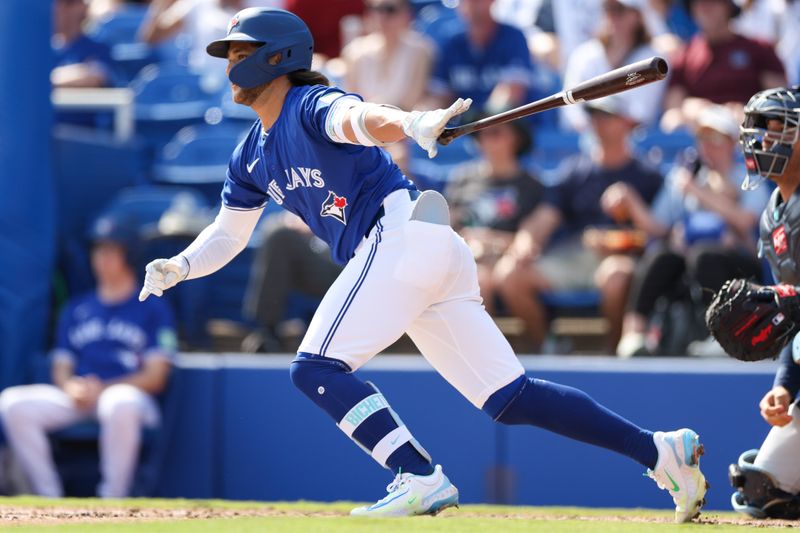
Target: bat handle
x=448 y=135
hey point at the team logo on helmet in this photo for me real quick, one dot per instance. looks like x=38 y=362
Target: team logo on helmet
x=334 y=206
x=233 y=23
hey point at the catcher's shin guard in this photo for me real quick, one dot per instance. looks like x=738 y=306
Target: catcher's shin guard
x=756 y=492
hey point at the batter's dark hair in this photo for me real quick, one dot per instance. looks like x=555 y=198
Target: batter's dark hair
x=299 y=78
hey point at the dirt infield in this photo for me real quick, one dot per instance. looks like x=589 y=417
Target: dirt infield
x=72 y=515
x=44 y=515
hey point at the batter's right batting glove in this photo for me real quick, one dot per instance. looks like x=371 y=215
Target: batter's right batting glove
x=426 y=126
x=163 y=274
x=753 y=322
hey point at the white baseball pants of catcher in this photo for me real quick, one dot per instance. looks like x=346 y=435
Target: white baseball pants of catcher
x=416 y=277
x=779 y=453
x=30 y=412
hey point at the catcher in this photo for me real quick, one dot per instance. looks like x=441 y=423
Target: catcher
x=752 y=322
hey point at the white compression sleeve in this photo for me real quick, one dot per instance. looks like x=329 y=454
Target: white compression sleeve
x=221 y=241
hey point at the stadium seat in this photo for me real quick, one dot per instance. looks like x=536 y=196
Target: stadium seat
x=198 y=154
x=168 y=98
x=435 y=173
x=75 y=449
x=663 y=149
x=119 y=31
x=551 y=148
x=437 y=21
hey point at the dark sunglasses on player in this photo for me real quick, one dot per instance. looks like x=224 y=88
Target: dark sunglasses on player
x=384 y=9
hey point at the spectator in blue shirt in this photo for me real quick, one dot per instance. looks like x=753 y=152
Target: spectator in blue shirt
x=111 y=359
x=80 y=61
x=486 y=61
x=586 y=198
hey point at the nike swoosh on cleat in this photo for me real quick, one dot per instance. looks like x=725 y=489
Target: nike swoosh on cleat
x=252 y=165
x=379 y=505
x=412 y=500
x=675 y=487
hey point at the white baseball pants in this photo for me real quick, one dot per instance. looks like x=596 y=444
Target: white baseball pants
x=420 y=278
x=29 y=412
x=780 y=451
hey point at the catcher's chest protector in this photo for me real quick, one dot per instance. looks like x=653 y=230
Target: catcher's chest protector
x=780 y=237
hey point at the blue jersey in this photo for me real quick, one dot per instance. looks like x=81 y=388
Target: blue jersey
x=336 y=189
x=111 y=341
x=464 y=70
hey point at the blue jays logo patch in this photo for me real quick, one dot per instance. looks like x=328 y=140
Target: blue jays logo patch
x=334 y=206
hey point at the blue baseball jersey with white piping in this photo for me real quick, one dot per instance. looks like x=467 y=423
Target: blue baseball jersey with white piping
x=112 y=340
x=337 y=189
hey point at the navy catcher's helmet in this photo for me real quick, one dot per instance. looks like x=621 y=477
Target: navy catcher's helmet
x=279 y=32
x=766 y=152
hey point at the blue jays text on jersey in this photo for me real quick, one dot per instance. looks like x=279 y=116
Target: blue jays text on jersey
x=337 y=189
x=111 y=340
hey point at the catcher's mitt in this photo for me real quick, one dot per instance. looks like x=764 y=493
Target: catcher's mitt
x=753 y=322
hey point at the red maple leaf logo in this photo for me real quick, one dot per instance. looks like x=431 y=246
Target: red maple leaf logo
x=340 y=202
x=234 y=22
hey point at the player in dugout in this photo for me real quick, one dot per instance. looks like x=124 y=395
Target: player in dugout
x=316 y=151
x=752 y=322
x=111 y=359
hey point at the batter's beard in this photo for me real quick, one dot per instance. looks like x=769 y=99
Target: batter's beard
x=248 y=96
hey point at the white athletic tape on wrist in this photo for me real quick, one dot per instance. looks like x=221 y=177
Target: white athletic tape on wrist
x=390 y=443
x=361 y=411
x=334 y=126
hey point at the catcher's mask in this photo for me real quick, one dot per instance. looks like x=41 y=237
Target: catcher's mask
x=767 y=151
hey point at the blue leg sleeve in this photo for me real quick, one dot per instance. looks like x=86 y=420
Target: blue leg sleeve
x=572 y=413
x=361 y=412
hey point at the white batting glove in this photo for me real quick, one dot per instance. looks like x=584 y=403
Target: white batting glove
x=163 y=274
x=426 y=126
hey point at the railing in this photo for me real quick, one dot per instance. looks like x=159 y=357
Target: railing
x=120 y=101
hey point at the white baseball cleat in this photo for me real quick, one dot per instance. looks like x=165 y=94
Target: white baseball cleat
x=678 y=471
x=410 y=495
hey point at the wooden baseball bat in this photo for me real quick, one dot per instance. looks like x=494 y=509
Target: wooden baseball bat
x=615 y=81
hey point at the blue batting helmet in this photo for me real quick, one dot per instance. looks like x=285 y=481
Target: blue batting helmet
x=278 y=32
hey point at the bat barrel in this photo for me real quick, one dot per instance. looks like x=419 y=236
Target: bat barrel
x=615 y=81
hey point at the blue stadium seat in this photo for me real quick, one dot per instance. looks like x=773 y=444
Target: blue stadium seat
x=119 y=31
x=80 y=470
x=551 y=148
x=435 y=173
x=227 y=287
x=198 y=154
x=557 y=302
x=437 y=21
x=661 y=149
x=168 y=98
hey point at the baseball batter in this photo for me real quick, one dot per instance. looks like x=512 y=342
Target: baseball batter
x=315 y=150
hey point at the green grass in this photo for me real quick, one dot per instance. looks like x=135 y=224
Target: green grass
x=203 y=516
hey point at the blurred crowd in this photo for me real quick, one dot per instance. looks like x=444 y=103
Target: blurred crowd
x=626 y=209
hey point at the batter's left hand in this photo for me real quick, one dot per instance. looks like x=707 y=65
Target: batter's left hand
x=426 y=126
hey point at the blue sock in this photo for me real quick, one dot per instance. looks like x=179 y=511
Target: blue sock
x=329 y=384
x=572 y=413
